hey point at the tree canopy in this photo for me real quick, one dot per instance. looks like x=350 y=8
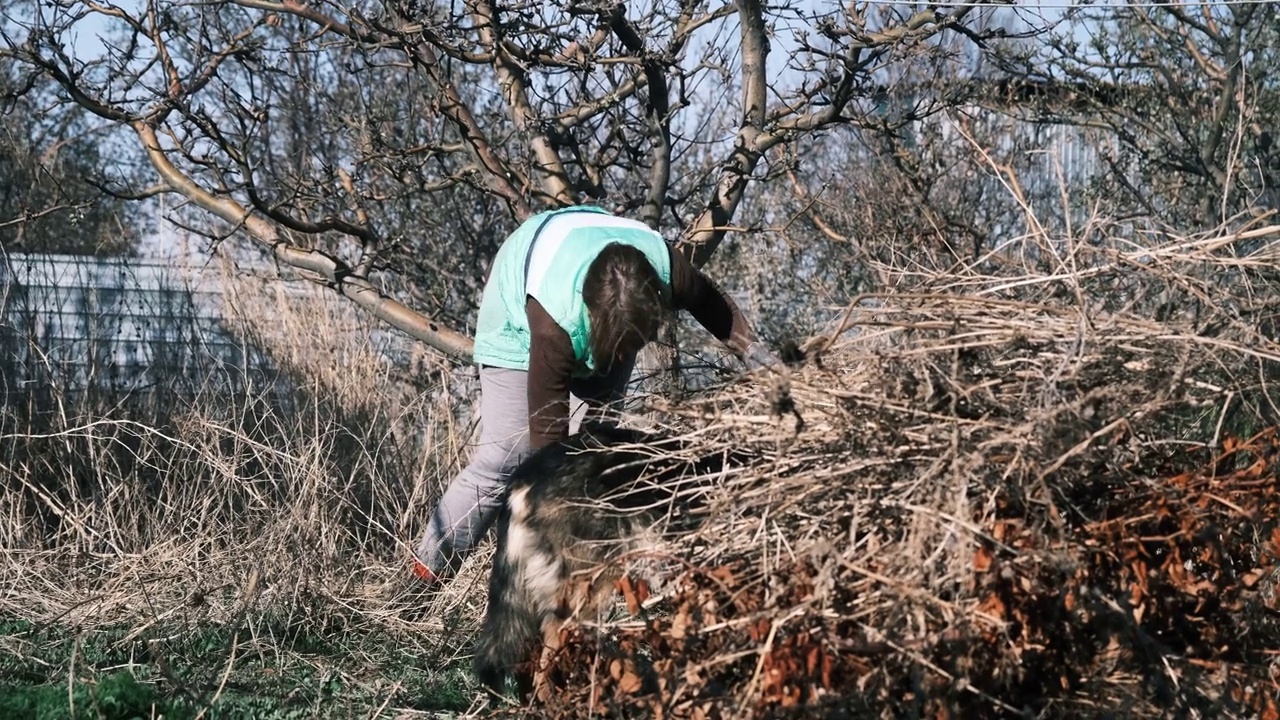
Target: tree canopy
x=355 y=138
x=55 y=189
x=372 y=142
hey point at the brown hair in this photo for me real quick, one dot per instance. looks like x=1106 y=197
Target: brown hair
x=625 y=303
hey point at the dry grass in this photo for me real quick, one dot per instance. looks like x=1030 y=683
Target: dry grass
x=271 y=515
x=915 y=547
x=1021 y=487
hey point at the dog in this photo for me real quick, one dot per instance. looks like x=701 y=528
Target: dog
x=573 y=510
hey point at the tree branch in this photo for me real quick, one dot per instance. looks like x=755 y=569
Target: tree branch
x=1226 y=99
x=658 y=109
x=498 y=175
x=707 y=231
x=335 y=272
x=27 y=217
x=512 y=81
x=754 y=139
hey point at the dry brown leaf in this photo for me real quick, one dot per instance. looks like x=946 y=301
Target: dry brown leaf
x=679 y=625
x=724 y=574
x=982 y=560
x=630 y=682
x=629 y=594
x=994 y=607
x=1271 y=712
x=693 y=676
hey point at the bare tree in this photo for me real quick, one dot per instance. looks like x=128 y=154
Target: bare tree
x=906 y=182
x=1188 y=93
x=328 y=132
x=55 y=187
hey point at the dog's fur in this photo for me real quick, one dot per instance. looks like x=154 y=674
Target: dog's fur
x=574 y=508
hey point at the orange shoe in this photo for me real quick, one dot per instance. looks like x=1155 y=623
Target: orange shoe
x=424 y=573
x=411 y=593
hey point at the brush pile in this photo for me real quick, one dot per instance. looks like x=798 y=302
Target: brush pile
x=1018 y=500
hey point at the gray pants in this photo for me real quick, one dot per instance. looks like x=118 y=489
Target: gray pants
x=470 y=503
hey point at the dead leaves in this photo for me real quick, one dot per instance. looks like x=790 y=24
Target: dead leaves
x=624 y=673
x=795 y=669
x=1175 y=584
x=633 y=592
x=982 y=558
x=714 y=635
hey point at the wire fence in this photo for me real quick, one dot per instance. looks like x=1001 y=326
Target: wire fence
x=117 y=325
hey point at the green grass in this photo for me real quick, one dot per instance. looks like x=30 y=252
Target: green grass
x=276 y=673
x=116 y=695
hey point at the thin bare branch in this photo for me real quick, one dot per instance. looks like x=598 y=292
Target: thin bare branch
x=332 y=270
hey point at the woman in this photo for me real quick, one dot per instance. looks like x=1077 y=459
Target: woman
x=572 y=297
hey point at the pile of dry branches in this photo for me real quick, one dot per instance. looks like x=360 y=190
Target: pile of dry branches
x=985 y=504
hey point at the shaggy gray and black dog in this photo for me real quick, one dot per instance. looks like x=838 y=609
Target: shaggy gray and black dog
x=572 y=508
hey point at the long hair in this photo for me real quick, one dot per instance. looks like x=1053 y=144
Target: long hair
x=625 y=303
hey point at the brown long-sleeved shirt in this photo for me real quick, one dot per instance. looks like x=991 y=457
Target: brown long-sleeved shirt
x=551 y=358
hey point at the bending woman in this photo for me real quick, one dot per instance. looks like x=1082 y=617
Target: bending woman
x=572 y=297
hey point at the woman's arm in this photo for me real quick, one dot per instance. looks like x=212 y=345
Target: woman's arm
x=717 y=312
x=551 y=362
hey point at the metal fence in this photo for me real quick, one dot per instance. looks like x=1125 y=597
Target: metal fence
x=119 y=325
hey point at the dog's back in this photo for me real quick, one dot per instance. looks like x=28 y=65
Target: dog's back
x=572 y=507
